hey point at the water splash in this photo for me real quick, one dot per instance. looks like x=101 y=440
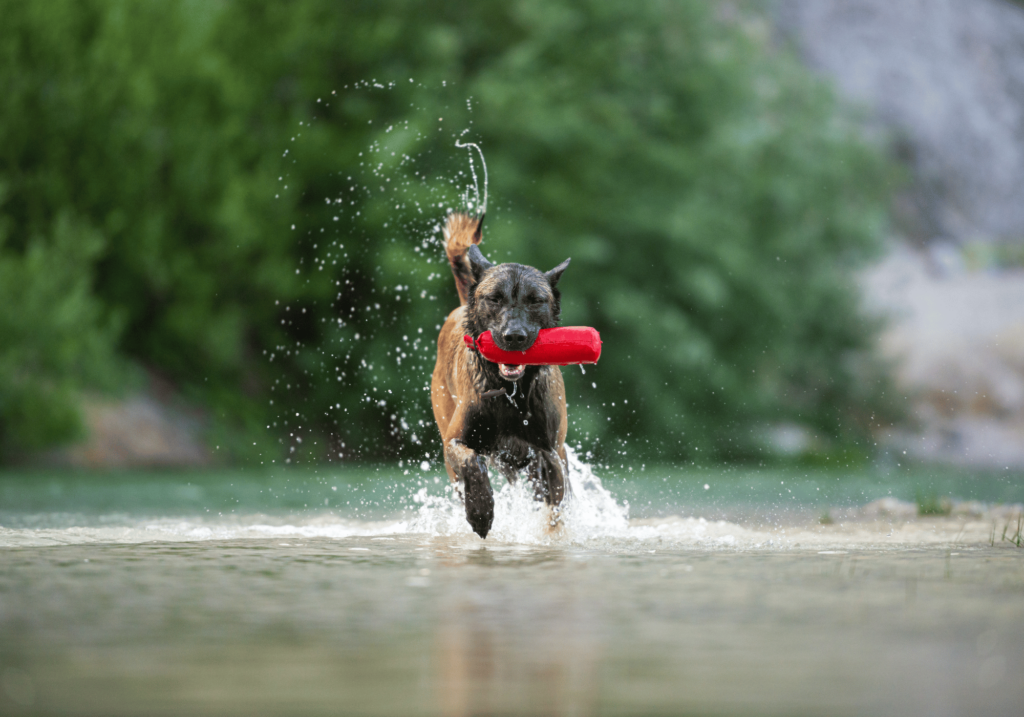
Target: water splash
x=481 y=205
x=590 y=513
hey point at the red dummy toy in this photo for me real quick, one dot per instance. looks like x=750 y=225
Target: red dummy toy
x=560 y=346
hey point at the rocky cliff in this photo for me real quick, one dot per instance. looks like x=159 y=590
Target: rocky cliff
x=943 y=82
x=946 y=79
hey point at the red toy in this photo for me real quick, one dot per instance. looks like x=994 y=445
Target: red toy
x=560 y=346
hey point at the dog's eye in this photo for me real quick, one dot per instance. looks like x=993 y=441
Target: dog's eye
x=534 y=300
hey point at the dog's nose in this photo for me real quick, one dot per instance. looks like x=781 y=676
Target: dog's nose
x=515 y=339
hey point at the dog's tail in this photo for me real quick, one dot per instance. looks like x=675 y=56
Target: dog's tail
x=460 y=233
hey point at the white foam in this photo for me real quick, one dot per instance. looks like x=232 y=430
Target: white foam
x=590 y=512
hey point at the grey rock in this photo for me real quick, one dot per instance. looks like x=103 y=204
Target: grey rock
x=946 y=79
x=1008 y=512
x=135 y=432
x=889 y=508
x=956 y=343
x=969 y=509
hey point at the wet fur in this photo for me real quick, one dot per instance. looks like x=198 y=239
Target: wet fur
x=526 y=432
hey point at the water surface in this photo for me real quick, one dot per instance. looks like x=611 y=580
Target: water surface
x=364 y=592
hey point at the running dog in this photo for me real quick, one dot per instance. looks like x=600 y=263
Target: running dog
x=511 y=417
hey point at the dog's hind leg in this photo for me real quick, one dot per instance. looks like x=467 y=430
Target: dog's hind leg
x=547 y=475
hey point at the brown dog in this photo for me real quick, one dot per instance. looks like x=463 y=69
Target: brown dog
x=512 y=416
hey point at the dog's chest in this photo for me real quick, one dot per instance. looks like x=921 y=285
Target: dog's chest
x=511 y=416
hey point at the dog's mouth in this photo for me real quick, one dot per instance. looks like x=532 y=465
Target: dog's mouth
x=511 y=372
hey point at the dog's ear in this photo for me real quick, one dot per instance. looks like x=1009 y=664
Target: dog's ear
x=555 y=274
x=477 y=262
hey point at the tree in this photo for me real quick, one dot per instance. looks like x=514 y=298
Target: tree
x=263 y=186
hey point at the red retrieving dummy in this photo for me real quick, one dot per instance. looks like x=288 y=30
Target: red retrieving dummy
x=560 y=346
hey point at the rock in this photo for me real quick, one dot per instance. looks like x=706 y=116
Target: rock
x=969 y=509
x=943 y=79
x=1008 y=512
x=789 y=439
x=889 y=508
x=892 y=508
x=956 y=343
x=135 y=432
x=946 y=79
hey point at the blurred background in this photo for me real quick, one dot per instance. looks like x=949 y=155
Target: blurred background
x=798 y=226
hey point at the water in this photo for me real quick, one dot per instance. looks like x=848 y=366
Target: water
x=242 y=593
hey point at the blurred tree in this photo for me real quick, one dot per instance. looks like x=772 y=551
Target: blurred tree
x=52 y=335
x=261 y=185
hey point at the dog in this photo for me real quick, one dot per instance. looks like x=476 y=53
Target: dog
x=511 y=417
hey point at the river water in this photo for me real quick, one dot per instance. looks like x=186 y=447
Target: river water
x=362 y=591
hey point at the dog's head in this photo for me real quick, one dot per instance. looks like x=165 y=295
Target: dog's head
x=514 y=302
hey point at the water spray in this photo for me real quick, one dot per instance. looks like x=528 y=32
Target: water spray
x=481 y=206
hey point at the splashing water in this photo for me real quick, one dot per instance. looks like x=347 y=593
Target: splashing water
x=482 y=205
x=591 y=512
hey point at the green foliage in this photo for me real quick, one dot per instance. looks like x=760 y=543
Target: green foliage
x=931 y=504
x=714 y=203
x=258 y=180
x=52 y=335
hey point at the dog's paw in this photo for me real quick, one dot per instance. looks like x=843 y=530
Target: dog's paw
x=480 y=515
x=478 y=497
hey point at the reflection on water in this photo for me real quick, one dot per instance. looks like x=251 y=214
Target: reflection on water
x=444 y=625
x=547 y=663
x=119 y=610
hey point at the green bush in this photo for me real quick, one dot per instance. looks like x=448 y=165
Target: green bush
x=52 y=333
x=710 y=193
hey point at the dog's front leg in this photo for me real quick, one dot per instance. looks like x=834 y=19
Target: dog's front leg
x=470 y=470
